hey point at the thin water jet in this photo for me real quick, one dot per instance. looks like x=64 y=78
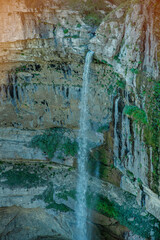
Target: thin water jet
x=81 y=208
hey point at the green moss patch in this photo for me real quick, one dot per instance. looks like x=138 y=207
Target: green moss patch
x=140 y=225
x=65 y=194
x=54 y=140
x=152 y=129
x=149 y=89
x=138 y=115
x=47 y=197
x=104 y=206
x=22 y=175
x=124 y=213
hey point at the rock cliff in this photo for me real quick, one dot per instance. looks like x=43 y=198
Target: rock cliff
x=42 y=52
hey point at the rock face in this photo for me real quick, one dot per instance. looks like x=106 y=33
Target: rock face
x=49 y=197
x=42 y=51
x=29 y=223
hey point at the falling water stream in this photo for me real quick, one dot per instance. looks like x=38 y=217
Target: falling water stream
x=81 y=209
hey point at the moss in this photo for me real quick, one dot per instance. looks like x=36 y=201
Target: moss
x=53 y=140
x=65 y=194
x=22 y=176
x=104 y=206
x=59 y=207
x=142 y=225
x=152 y=130
x=138 y=115
x=108 y=64
x=149 y=88
x=70 y=148
x=134 y=70
x=103 y=128
x=21 y=69
x=130 y=175
x=29 y=68
x=121 y=84
x=79 y=25
x=48 y=142
x=65 y=31
x=72 y=36
x=47 y=197
x=98 y=203
x=116 y=57
x=110 y=89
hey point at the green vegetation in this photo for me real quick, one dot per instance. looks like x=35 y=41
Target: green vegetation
x=79 y=25
x=65 y=31
x=149 y=89
x=95 y=201
x=134 y=70
x=59 y=207
x=103 y=128
x=53 y=140
x=101 y=204
x=103 y=61
x=149 y=120
x=48 y=142
x=21 y=178
x=116 y=57
x=152 y=129
x=121 y=84
x=110 y=89
x=105 y=207
x=130 y=175
x=71 y=36
x=65 y=194
x=137 y=114
x=21 y=69
x=142 y=225
x=22 y=175
x=121 y=213
x=29 y=68
x=47 y=197
x=98 y=203
x=70 y=148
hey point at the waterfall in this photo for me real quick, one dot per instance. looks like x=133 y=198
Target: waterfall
x=81 y=209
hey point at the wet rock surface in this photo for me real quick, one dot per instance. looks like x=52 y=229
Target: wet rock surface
x=51 y=195
x=42 y=51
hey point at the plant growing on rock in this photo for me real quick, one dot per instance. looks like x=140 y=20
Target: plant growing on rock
x=137 y=114
x=65 y=31
x=152 y=129
x=52 y=141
